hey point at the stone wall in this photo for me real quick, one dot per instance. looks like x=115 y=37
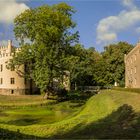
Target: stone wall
x=19 y=91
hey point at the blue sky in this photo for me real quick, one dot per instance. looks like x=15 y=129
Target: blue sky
x=99 y=22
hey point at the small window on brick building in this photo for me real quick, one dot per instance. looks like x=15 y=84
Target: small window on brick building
x=1 y=68
x=12 y=80
x=1 y=81
x=12 y=91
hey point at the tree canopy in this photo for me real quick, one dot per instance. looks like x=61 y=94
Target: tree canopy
x=113 y=56
x=45 y=35
x=49 y=47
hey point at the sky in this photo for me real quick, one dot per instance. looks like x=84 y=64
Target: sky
x=99 y=22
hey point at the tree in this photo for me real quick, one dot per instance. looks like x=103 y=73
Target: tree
x=81 y=65
x=113 y=56
x=45 y=38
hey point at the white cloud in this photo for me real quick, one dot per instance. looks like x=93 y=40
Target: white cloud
x=109 y=27
x=129 y=4
x=9 y=9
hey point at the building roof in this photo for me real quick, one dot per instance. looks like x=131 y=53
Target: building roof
x=133 y=50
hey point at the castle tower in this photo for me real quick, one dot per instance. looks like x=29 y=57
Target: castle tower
x=10 y=81
x=10 y=46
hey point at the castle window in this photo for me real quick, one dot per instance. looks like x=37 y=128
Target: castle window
x=1 y=81
x=1 y=67
x=12 y=91
x=12 y=80
x=12 y=68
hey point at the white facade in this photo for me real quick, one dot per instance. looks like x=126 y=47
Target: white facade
x=10 y=81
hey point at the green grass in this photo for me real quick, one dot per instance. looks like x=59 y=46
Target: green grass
x=110 y=114
x=136 y=90
x=22 y=100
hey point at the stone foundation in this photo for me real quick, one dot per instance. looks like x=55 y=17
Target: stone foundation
x=17 y=91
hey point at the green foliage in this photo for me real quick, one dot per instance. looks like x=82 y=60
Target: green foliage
x=45 y=37
x=88 y=67
x=81 y=64
x=114 y=61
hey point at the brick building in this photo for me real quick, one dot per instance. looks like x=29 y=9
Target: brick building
x=132 y=68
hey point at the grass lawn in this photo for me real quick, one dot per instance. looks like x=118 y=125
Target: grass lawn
x=110 y=114
x=21 y=100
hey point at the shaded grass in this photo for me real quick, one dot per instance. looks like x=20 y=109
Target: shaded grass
x=123 y=123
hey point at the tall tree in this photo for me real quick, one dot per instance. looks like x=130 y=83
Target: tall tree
x=45 y=37
x=113 y=56
x=81 y=65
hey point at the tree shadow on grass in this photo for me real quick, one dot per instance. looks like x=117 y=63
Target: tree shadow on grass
x=121 y=124
x=80 y=98
x=11 y=135
x=24 y=122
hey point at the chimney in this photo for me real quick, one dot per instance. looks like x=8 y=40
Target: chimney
x=10 y=45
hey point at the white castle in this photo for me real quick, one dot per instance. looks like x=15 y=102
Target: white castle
x=13 y=83
x=10 y=81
